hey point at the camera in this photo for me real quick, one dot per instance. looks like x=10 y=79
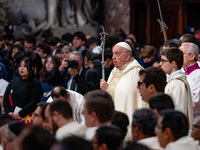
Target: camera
x=72 y=64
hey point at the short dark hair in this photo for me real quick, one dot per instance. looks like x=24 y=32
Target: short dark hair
x=45 y=47
x=171 y=43
x=20 y=47
x=146 y=120
x=5 y=118
x=174 y=54
x=61 y=106
x=46 y=34
x=80 y=35
x=152 y=76
x=121 y=120
x=75 y=143
x=135 y=146
x=67 y=37
x=43 y=106
x=90 y=41
x=30 y=39
x=110 y=135
x=62 y=92
x=176 y=121
x=53 y=41
x=100 y=102
x=108 y=53
x=160 y=102
x=41 y=138
x=187 y=38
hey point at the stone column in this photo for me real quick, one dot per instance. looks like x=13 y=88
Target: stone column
x=117 y=15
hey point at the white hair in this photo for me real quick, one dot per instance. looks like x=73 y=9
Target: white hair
x=193 y=48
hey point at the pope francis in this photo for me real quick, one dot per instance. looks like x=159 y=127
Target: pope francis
x=122 y=82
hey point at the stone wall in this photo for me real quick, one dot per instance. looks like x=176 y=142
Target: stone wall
x=117 y=15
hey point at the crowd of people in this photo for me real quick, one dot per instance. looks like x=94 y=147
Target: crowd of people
x=52 y=95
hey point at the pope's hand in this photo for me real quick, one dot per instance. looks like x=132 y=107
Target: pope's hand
x=103 y=85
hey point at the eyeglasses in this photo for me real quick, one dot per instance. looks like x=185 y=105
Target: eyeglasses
x=195 y=126
x=162 y=61
x=36 y=115
x=139 y=83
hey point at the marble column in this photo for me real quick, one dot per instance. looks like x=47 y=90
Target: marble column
x=117 y=15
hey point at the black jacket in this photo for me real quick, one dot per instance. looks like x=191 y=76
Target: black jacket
x=85 y=82
x=24 y=93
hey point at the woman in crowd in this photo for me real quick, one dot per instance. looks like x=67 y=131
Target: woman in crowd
x=24 y=92
x=51 y=65
x=16 y=61
x=8 y=60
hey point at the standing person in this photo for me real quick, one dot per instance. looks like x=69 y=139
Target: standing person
x=148 y=84
x=122 y=82
x=177 y=86
x=24 y=92
x=192 y=71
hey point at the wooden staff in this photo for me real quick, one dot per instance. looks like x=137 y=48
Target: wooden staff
x=163 y=26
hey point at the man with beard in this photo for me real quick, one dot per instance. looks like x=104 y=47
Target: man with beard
x=38 y=117
x=61 y=123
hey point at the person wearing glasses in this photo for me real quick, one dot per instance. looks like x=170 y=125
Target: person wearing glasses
x=151 y=81
x=177 y=86
x=38 y=118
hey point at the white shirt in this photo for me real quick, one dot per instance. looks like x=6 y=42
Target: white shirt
x=70 y=129
x=76 y=102
x=3 y=86
x=184 y=143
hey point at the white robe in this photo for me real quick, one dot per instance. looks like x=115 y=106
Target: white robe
x=194 y=81
x=179 y=88
x=184 y=143
x=76 y=102
x=126 y=96
x=90 y=132
x=151 y=142
x=70 y=129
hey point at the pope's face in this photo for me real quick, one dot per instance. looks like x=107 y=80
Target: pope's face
x=120 y=56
